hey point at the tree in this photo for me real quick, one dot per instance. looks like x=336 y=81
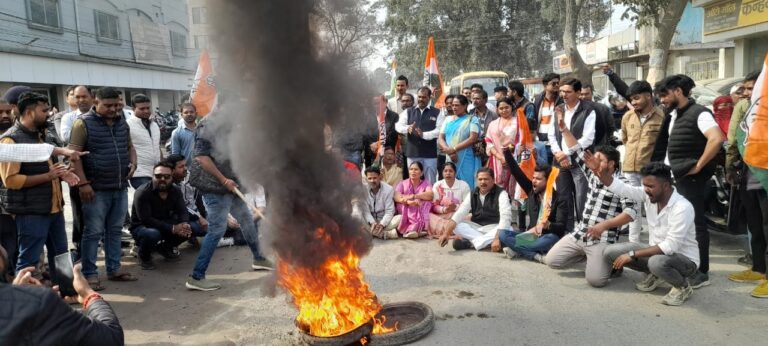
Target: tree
x=347 y=30
x=662 y=16
x=577 y=27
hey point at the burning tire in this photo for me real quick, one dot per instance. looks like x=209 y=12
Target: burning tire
x=414 y=321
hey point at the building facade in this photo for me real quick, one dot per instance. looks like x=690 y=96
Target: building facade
x=745 y=22
x=134 y=46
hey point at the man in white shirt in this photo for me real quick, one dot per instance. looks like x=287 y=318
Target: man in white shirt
x=694 y=140
x=491 y=212
x=83 y=97
x=672 y=253
x=145 y=135
x=378 y=211
x=421 y=127
x=580 y=120
x=401 y=87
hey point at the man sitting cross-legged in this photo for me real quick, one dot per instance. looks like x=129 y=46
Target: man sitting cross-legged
x=159 y=217
x=672 y=253
x=378 y=210
x=491 y=212
x=604 y=212
x=549 y=210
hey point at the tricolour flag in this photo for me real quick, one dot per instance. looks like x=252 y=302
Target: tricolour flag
x=752 y=134
x=203 y=94
x=432 y=77
x=393 y=82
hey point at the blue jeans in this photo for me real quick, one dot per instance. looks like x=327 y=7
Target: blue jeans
x=34 y=231
x=104 y=217
x=218 y=206
x=542 y=153
x=540 y=246
x=147 y=239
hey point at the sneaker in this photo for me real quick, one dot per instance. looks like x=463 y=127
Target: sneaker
x=228 y=241
x=510 y=253
x=677 y=296
x=411 y=235
x=462 y=244
x=391 y=234
x=539 y=258
x=649 y=284
x=699 y=280
x=263 y=264
x=761 y=291
x=148 y=265
x=745 y=260
x=746 y=276
x=201 y=285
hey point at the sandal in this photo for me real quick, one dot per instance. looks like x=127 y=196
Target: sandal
x=121 y=277
x=95 y=284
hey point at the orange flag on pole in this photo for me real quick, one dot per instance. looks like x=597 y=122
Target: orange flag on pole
x=432 y=77
x=526 y=151
x=203 y=94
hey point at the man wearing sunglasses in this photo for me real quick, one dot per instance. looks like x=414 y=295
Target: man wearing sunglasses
x=159 y=218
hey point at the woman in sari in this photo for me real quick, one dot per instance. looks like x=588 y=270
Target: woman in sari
x=501 y=133
x=448 y=194
x=413 y=197
x=457 y=138
x=723 y=108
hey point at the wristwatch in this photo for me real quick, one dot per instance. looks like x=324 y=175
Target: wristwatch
x=631 y=254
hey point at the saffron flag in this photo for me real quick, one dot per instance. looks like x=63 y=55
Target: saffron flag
x=525 y=150
x=203 y=94
x=752 y=133
x=432 y=77
x=393 y=82
x=546 y=202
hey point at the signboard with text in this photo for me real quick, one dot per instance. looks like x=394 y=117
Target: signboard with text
x=734 y=14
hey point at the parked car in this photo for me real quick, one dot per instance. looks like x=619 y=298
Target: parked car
x=721 y=86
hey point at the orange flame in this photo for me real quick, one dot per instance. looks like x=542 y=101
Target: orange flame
x=333 y=298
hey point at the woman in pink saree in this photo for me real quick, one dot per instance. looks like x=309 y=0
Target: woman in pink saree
x=413 y=198
x=448 y=194
x=501 y=133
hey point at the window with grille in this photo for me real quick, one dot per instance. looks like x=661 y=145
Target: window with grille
x=107 y=26
x=43 y=13
x=178 y=44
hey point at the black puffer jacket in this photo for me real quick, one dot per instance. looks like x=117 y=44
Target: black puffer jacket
x=37 y=316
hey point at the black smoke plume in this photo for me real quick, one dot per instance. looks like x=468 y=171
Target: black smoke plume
x=278 y=94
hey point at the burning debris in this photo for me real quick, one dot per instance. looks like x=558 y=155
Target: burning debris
x=278 y=97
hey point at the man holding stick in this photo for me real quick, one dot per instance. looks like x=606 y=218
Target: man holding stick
x=212 y=175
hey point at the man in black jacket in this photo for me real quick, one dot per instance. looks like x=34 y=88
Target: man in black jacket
x=35 y=315
x=159 y=217
x=694 y=140
x=547 y=230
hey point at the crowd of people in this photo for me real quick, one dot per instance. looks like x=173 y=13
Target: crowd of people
x=465 y=177
x=97 y=149
x=541 y=180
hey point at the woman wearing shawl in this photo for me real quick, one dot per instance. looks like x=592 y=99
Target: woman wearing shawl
x=502 y=133
x=448 y=195
x=548 y=211
x=723 y=107
x=413 y=197
x=457 y=138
